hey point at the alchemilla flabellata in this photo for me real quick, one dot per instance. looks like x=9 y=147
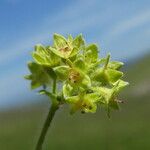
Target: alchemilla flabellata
x=85 y=80
x=71 y=72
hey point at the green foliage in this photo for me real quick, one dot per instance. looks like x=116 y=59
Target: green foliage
x=85 y=80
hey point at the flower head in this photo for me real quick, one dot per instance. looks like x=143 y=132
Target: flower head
x=85 y=80
x=66 y=48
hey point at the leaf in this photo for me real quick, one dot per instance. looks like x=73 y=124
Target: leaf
x=79 y=63
x=52 y=59
x=39 y=48
x=33 y=67
x=100 y=76
x=78 y=41
x=74 y=52
x=70 y=38
x=113 y=75
x=115 y=65
x=59 y=41
x=118 y=86
x=67 y=90
x=62 y=72
x=38 y=58
x=35 y=84
x=91 y=53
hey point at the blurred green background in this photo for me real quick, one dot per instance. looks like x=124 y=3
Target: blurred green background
x=119 y=27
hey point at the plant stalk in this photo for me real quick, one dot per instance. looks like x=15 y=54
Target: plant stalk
x=48 y=121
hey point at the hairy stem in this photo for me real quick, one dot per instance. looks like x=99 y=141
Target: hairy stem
x=48 y=121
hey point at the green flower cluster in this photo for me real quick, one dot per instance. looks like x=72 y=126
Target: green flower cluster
x=85 y=80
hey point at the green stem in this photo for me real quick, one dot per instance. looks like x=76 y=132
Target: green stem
x=48 y=121
x=46 y=126
x=54 y=86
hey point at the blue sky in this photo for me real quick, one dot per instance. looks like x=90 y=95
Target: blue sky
x=119 y=27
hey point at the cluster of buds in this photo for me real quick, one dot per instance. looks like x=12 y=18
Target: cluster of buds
x=85 y=80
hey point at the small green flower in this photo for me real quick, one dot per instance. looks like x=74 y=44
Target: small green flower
x=83 y=102
x=85 y=80
x=77 y=78
x=108 y=74
x=39 y=75
x=109 y=95
x=66 y=48
x=43 y=56
x=73 y=75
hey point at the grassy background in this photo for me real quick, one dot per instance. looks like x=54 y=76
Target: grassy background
x=128 y=129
